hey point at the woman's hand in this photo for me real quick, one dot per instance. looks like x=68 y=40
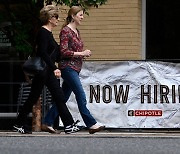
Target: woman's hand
x=57 y=73
x=86 y=53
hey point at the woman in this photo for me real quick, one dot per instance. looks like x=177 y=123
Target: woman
x=47 y=49
x=72 y=54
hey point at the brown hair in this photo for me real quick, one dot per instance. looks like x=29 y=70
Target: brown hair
x=72 y=11
x=48 y=12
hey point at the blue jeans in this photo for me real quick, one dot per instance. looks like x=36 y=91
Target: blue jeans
x=71 y=84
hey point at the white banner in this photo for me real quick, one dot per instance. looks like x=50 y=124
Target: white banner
x=131 y=94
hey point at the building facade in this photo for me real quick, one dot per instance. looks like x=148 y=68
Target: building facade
x=113 y=31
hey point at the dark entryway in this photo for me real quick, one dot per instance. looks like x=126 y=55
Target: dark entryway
x=163 y=29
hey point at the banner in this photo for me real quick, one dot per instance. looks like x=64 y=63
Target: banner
x=131 y=94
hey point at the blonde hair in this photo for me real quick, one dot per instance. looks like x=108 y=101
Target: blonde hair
x=47 y=12
x=72 y=11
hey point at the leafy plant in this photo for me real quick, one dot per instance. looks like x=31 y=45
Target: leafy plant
x=83 y=3
x=21 y=39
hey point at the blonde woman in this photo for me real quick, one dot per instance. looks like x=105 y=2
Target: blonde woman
x=47 y=49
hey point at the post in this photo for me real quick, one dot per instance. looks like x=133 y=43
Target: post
x=36 y=116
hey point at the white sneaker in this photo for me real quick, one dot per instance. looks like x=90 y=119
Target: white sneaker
x=22 y=129
x=72 y=128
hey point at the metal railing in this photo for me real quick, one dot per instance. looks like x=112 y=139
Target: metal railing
x=23 y=93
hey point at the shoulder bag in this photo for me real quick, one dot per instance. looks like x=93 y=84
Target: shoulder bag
x=34 y=65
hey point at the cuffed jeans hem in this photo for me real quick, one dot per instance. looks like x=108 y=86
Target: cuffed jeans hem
x=88 y=126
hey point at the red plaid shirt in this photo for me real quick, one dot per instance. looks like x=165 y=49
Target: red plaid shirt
x=70 y=43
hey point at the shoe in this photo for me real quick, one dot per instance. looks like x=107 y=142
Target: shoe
x=92 y=131
x=49 y=129
x=22 y=129
x=72 y=128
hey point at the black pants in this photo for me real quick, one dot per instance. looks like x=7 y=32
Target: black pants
x=46 y=78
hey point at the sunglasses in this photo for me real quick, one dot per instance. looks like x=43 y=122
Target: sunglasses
x=55 y=16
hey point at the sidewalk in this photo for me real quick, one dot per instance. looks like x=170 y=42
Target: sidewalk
x=102 y=134
x=84 y=143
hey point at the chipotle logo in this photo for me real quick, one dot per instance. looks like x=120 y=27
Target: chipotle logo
x=144 y=112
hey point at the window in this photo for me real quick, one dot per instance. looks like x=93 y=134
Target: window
x=162 y=29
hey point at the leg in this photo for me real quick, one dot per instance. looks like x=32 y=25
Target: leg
x=67 y=90
x=58 y=96
x=71 y=77
x=51 y=115
x=53 y=112
x=36 y=89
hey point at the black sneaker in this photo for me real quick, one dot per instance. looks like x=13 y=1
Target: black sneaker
x=72 y=128
x=22 y=129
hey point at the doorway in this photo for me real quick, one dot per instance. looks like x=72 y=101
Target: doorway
x=163 y=30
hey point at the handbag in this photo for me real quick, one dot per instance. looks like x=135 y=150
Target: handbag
x=34 y=65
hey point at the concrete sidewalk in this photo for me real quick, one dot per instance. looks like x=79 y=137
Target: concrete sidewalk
x=102 y=134
x=105 y=142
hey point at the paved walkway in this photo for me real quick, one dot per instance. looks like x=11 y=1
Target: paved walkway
x=102 y=134
x=105 y=142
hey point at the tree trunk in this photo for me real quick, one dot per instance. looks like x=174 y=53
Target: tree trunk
x=36 y=116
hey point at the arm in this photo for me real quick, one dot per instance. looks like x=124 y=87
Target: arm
x=85 y=53
x=43 y=43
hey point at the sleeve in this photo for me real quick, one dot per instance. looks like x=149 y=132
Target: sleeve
x=58 y=54
x=64 y=44
x=43 y=50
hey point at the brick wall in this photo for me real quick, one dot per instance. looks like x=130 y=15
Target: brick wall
x=112 y=31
